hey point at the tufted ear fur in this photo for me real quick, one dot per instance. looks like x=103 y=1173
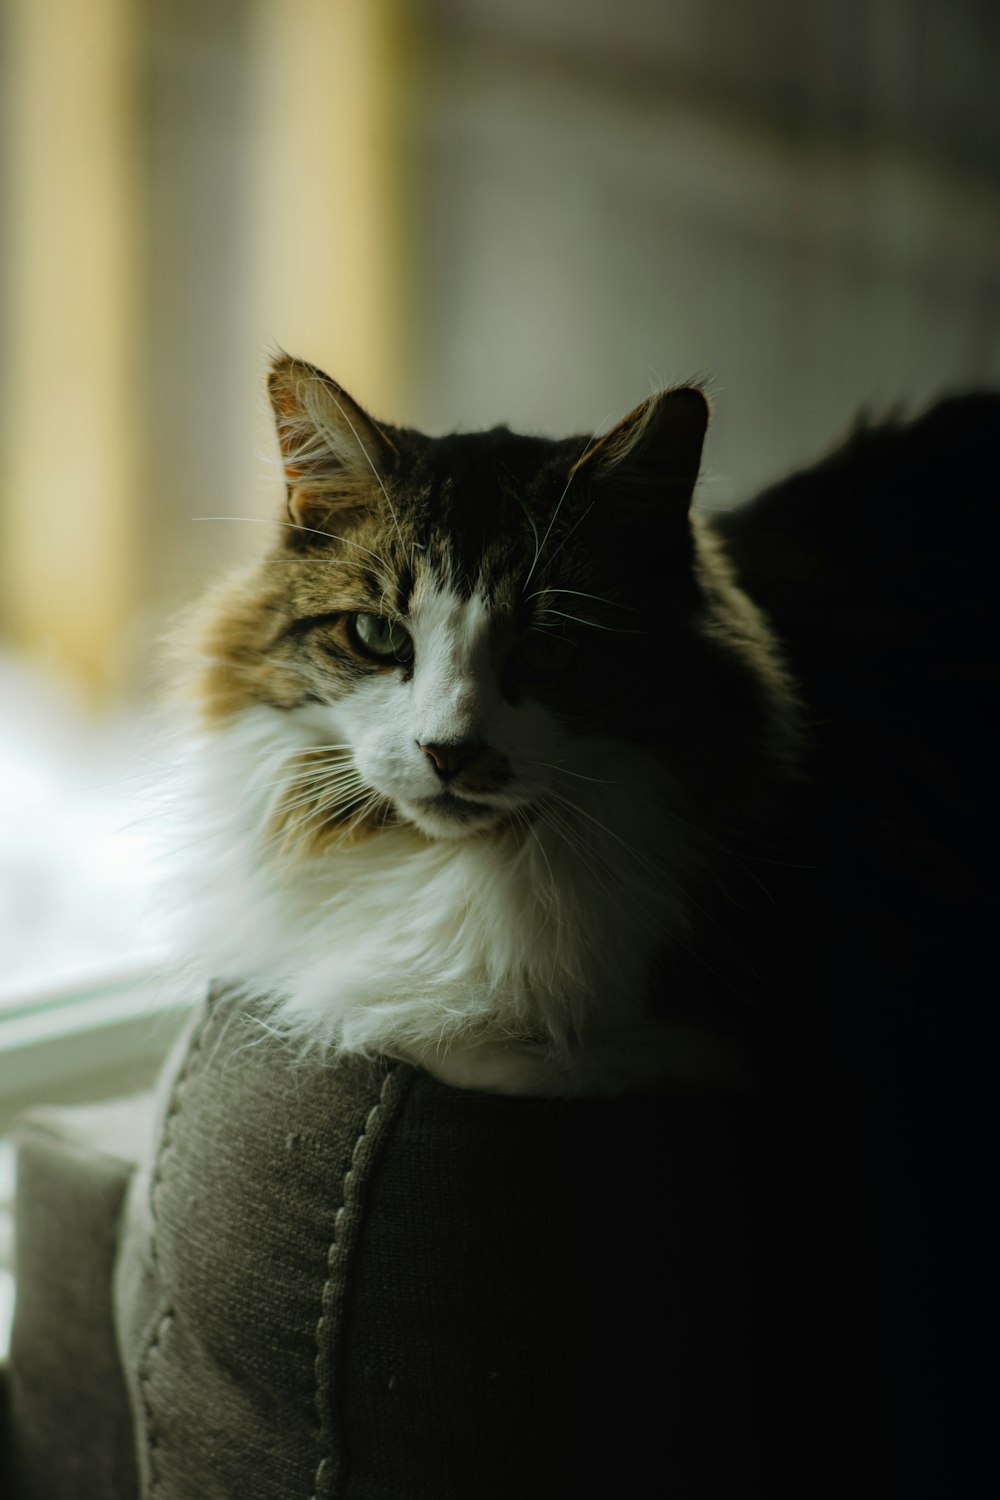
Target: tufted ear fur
x=651 y=459
x=334 y=454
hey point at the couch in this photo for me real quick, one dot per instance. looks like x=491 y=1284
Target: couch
x=348 y=1279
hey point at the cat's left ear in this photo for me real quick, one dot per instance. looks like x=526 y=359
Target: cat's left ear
x=651 y=459
x=334 y=455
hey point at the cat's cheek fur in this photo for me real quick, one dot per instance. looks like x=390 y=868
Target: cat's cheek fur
x=376 y=719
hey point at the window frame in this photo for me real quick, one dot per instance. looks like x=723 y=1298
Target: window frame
x=102 y=1032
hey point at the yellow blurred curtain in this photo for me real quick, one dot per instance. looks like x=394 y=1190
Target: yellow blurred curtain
x=315 y=156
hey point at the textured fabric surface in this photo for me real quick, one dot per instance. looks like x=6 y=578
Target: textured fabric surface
x=602 y=1299
x=355 y=1282
x=69 y=1431
x=6 y=1481
x=231 y=1293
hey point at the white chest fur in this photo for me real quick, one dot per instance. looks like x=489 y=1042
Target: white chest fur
x=517 y=959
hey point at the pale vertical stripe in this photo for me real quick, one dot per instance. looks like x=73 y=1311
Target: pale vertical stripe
x=70 y=226
x=323 y=170
x=327 y=186
x=7 y=1173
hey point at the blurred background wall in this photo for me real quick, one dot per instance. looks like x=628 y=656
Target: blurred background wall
x=469 y=211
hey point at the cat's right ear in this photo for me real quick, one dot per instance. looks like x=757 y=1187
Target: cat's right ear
x=334 y=455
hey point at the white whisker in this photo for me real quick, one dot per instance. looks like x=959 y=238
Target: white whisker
x=591 y=624
x=578 y=522
x=371 y=464
x=565 y=771
x=580 y=594
x=333 y=536
x=581 y=813
x=539 y=549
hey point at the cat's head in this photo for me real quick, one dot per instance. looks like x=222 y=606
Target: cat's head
x=466 y=628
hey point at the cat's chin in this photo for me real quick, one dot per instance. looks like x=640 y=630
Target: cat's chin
x=447 y=816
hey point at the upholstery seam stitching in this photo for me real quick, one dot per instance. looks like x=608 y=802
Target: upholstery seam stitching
x=332 y=1257
x=165 y=1316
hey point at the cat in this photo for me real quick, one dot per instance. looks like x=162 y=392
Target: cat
x=478 y=740
x=513 y=765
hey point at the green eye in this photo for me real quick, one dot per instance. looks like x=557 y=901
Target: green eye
x=545 y=653
x=378 y=636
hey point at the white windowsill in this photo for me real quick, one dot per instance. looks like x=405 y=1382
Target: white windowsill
x=107 y=1022
x=105 y=1031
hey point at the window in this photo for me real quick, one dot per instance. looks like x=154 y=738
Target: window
x=146 y=204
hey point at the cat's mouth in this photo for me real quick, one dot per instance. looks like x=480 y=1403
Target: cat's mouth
x=448 y=815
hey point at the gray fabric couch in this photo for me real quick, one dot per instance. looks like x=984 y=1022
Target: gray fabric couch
x=352 y=1281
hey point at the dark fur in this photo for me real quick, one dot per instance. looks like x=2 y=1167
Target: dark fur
x=875 y=931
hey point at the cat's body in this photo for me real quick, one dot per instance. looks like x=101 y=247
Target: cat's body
x=480 y=736
x=877 y=570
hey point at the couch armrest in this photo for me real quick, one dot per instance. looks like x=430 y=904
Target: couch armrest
x=68 y=1425
x=344 y=1278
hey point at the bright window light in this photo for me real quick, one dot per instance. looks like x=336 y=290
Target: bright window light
x=76 y=844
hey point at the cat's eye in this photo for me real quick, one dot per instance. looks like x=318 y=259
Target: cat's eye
x=380 y=637
x=546 y=653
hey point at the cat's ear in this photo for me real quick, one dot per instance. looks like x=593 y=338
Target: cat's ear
x=651 y=459
x=334 y=455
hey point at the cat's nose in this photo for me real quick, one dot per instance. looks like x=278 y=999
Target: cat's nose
x=449 y=759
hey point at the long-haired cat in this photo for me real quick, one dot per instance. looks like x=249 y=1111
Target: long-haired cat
x=479 y=736
x=502 y=769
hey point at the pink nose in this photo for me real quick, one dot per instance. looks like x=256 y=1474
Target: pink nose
x=449 y=759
